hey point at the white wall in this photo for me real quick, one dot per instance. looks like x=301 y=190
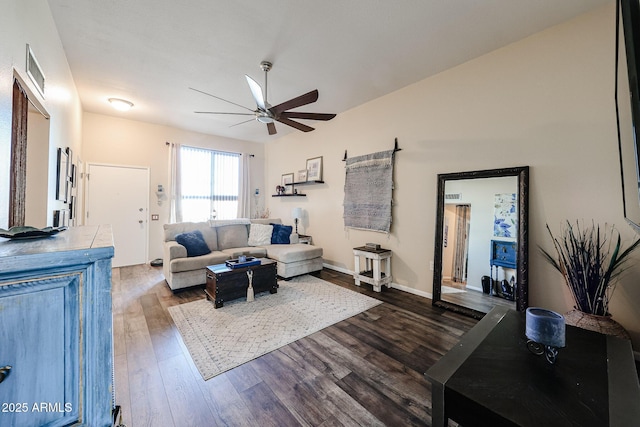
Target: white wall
x=546 y=101
x=30 y=21
x=118 y=141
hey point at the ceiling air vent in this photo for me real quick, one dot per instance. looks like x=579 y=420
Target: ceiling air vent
x=453 y=197
x=34 y=71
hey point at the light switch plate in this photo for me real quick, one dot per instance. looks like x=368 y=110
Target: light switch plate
x=155 y=217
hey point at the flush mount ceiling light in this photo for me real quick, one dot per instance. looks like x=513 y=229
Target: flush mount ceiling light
x=120 y=104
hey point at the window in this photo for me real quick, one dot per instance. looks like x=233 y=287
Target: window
x=209 y=184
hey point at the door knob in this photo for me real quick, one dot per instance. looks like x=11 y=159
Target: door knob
x=140 y=221
x=4 y=372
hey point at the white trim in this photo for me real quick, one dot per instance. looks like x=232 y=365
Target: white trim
x=393 y=285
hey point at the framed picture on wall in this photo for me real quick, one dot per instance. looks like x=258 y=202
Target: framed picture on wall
x=302 y=176
x=61 y=218
x=314 y=169
x=62 y=174
x=287 y=178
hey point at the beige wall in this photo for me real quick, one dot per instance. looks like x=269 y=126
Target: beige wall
x=117 y=141
x=30 y=21
x=546 y=101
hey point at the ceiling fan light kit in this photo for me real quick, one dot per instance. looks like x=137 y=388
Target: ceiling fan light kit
x=267 y=114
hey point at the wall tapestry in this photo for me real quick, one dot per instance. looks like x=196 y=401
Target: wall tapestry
x=368 y=190
x=505 y=217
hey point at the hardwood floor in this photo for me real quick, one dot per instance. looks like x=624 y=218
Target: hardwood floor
x=366 y=370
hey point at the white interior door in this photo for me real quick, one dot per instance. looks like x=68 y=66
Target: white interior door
x=119 y=195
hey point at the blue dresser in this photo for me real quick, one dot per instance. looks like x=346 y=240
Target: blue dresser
x=56 y=336
x=503 y=253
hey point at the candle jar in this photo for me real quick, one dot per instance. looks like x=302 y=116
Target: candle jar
x=546 y=331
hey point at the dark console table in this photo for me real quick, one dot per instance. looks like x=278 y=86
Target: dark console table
x=490 y=378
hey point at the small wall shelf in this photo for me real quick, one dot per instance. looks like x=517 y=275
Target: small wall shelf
x=306 y=182
x=293 y=184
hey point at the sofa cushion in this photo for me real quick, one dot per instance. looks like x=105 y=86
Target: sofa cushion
x=260 y=234
x=281 y=233
x=198 y=262
x=194 y=243
x=208 y=232
x=232 y=236
x=293 y=253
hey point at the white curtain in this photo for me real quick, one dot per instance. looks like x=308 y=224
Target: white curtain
x=244 y=194
x=175 y=184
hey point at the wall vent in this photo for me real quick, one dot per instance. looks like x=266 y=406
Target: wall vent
x=453 y=197
x=34 y=71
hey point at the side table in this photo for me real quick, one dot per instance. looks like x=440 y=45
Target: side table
x=372 y=274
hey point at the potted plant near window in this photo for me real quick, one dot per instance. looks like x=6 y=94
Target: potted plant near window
x=590 y=261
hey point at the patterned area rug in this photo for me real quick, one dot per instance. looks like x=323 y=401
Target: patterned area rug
x=221 y=339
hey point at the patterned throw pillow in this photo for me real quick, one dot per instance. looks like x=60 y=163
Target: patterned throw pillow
x=260 y=234
x=194 y=242
x=281 y=234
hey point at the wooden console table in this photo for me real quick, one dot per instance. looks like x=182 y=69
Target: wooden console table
x=491 y=378
x=372 y=274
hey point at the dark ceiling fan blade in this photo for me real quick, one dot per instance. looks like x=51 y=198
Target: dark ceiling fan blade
x=221 y=99
x=299 y=126
x=216 y=112
x=271 y=127
x=299 y=101
x=308 y=116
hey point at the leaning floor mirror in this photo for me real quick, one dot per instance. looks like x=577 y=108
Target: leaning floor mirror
x=481 y=245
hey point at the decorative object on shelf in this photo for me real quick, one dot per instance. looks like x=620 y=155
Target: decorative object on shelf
x=296 y=213
x=314 y=169
x=302 y=176
x=545 y=331
x=26 y=232
x=280 y=189
x=287 y=179
x=590 y=261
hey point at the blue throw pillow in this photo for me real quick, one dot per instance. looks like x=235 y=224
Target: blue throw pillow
x=281 y=233
x=194 y=242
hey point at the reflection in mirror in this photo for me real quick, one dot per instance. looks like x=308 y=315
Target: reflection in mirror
x=481 y=241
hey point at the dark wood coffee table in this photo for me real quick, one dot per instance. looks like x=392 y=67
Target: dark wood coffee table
x=490 y=379
x=226 y=284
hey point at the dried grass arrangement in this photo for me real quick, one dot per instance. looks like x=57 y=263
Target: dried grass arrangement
x=591 y=262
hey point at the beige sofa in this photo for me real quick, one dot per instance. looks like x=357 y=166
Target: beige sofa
x=228 y=240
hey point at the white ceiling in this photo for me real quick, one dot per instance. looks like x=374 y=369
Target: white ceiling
x=151 y=51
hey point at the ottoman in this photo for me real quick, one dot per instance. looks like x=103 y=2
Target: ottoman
x=295 y=259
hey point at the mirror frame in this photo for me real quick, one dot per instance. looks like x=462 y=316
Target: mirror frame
x=522 y=294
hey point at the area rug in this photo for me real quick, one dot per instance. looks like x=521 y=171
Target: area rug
x=221 y=339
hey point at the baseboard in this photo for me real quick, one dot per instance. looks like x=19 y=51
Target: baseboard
x=393 y=285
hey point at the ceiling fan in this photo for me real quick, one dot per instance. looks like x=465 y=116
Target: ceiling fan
x=265 y=113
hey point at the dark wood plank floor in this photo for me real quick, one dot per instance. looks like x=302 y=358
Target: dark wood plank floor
x=367 y=370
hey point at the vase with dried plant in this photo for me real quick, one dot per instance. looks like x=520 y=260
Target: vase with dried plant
x=590 y=260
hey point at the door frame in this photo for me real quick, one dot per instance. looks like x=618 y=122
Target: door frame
x=87 y=169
